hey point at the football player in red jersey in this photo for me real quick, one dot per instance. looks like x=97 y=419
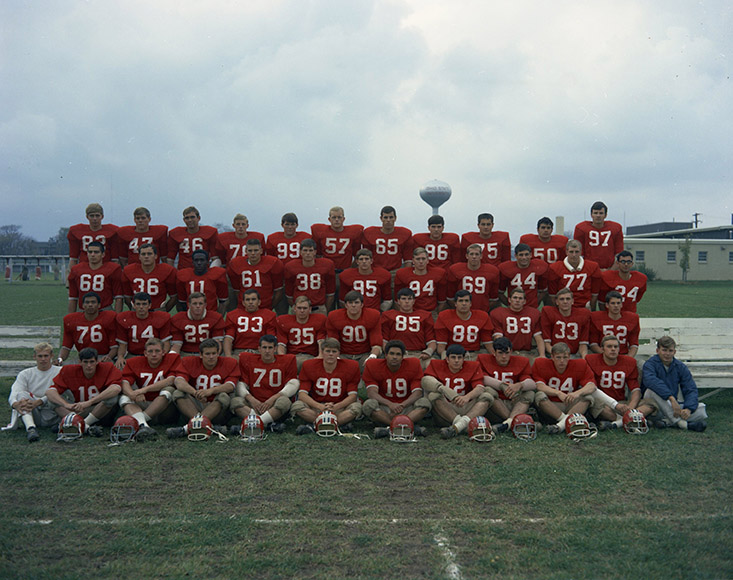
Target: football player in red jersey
x=80 y=235
x=510 y=377
x=495 y=245
x=521 y=325
x=267 y=382
x=374 y=283
x=546 y=246
x=211 y=282
x=302 y=332
x=189 y=329
x=203 y=384
x=230 y=245
x=328 y=383
x=135 y=327
x=391 y=245
x=567 y=324
x=90 y=328
x=481 y=280
x=600 y=239
x=526 y=273
x=616 y=375
x=96 y=275
x=312 y=277
x=564 y=386
x=262 y=273
x=158 y=280
x=285 y=245
x=393 y=388
x=131 y=238
x=336 y=241
x=582 y=276
x=183 y=241
x=356 y=328
x=443 y=248
x=623 y=325
x=631 y=284
x=246 y=325
x=455 y=387
x=472 y=329
x=88 y=389
x=147 y=386
x=426 y=281
x=414 y=328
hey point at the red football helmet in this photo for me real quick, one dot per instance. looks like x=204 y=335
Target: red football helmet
x=523 y=427
x=252 y=428
x=124 y=430
x=479 y=429
x=326 y=424
x=577 y=427
x=71 y=428
x=199 y=428
x=635 y=422
x=402 y=429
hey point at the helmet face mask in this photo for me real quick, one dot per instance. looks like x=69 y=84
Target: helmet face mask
x=635 y=423
x=326 y=424
x=124 y=430
x=479 y=430
x=252 y=428
x=577 y=427
x=402 y=429
x=524 y=428
x=199 y=428
x=71 y=428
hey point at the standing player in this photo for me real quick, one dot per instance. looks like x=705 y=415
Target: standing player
x=391 y=245
x=132 y=238
x=184 y=241
x=526 y=273
x=481 y=280
x=90 y=328
x=495 y=246
x=356 y=328
x=312 y=277
x=246 y=325
x=96 y=275
x=545 y=245
x=631 y=284
x=472 y=329
x=443 y=248
x=581 y=276
x=414 y=328
x=158 y=280
x=427 y=282
x=374 y=283
x=135 y=327
x=211 y=282
x=623 y=325
x=521 y=325
x=336 y=241
x=230 y=245
x=261 y=273
x=601 y=239
x=302 y=332
x=285 y=245
x=189 y=329
x=81 y=235
x=567 y=324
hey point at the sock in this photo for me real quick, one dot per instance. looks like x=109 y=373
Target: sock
x=561 y=422
x=267 y=418
x=147 y=417
x=90 y=420
x=28 y=421
x=140 y=417
x=681 y=424
x=508 y=422
x=619 y=423
x=461 y=423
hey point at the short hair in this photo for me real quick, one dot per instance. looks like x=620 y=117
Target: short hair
x=436 y=220
x=208 y=343
x=517 y=290
x=253 y=242
x=153 y=341
x=599 y=205
x=475 y=247
x=191 y=209
x=155 y=250
x=485 y=216
x=301 y=298
x=239 y=217
x=545 y=221
x=42 y=346
x=251 y=291
x=522 y=248
x=363 y=252
x=456 y=349
x=405 y=292
x=503 y=344
x=96 y=244
x=613 y=294
x=666 y=342
x=564 y=290
x=573 y=244
x=198 y=252
x=419 y=250
x=94 y=208
x=91 y=295
x=142 y=296
x=194 y=295
x=560 y=348
x=463 y=292
x=308 y=243
x=88 y=353
x=395 y=344
x=289 y=218
x=269 y=338
x=331 y=343
x=608 y=338
x=387 y=209
x=336 y=209
x=624 y=254
x=141 y=211
x=354 y=296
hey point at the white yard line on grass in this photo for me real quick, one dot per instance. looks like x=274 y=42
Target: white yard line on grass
x=451 y=568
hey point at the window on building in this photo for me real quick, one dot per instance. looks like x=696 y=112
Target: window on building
x=671 y=256
x=730 y=257
x=639 y=256
x=702 y=257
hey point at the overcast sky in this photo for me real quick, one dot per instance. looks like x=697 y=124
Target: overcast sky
x=525 y=107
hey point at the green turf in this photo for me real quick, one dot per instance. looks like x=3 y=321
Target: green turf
x=687 y=300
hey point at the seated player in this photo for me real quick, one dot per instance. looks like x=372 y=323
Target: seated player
x=312 y=277
x=90 y=329
x=81 y=235
x=393 y=388
x=623 y=325
x=455 y=387
x=443 y=248
x=521 y=325
x=135 y=327
x=472 y=329
x=131 y=238
x=285 y=245
x=336 y=241
x=267 y=382
x=357 y=329
x=567 y=324
x=246 y=325
x=203 y=385
x=495 y=245
x=230 y=245
x=601 y=239
x=89 y=389
x=328 y=383
x=391 y=245
x=148 y=385
x=564 y=386
x=481 y=280
x=374 y=283
x=28 y=394
x=426 y=281
x=527 y=273
x=302 y=332
x=545 y=245
x=630 y=283
x=94 y=274
x=212 y=282
x=668 y=382
x=414 y=328
x=581 y=276
x=183 y=241
x=189 y=329
x=156 y=279
x=510 y=376
x=261 y=273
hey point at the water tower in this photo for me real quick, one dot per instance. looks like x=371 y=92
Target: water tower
x=435 y=193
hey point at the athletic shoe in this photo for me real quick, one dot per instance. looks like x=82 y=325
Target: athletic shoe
x=381 y=432
x=606 y=425
x=552 y=429
x=698 y=426
x=499 y=428
x=658 y=424
x=32 y=435
x=175 y=432
x=235 y=430
x=276 y=427
x=420 y=431
x=305 y=429
x=223 y=429
x=348 y=428
x=146 y=433
x=95 y=431
x=448 y=432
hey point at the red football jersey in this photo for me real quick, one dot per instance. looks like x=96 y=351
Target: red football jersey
x=516 y=371
x=183 y=244
x=140 y=374
x=573 y=330
x=583 y=282
x=415 y=330
x=600 y=245
x=160 y=283
x=333 y=387
x=626 y=329
x=519 y=327
x=266 y=277
x=100 y=333
x=315 y=282
x=199 y=377
x=495 y=250
x=266 y=379
x=129 y=241
x=135 y=332
x=285 y=249
x=388 y=250
x=470 y=334
x=356 y=336
x=301 y=338
x=532 y=279
x=213 y=284
x=483 y=283
x=71 y=378
x=576 y=375
x=393 y=386
x=614 y=379
x=632 y=289
x=462 y=382
x=229 y=246
x=441 y=253
x=80 y=235
x=549 y=252
x=375 y=287
x=339 y=247
x=105 y=281
x=429 y=288
x=190 y=333
x=246 y=328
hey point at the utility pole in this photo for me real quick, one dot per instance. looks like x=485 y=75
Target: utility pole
x=697 y=221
